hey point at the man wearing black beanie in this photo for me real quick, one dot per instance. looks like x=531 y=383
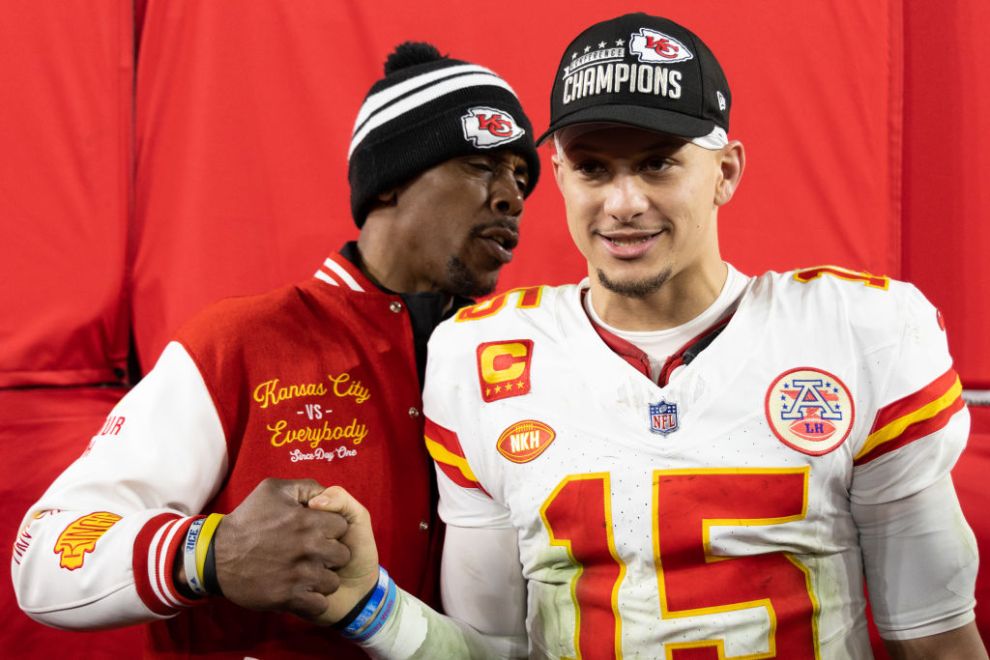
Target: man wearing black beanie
x=188 y=509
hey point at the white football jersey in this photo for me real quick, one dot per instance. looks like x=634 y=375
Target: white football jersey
x=708 y=517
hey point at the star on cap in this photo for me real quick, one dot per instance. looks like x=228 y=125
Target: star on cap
x=587 y=48
x=573 y=55
x=619 y=42
x=601 y=44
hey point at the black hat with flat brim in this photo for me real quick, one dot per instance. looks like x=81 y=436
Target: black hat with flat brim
x=643 y=71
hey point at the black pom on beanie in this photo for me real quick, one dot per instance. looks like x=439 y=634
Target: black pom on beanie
x=411 y=53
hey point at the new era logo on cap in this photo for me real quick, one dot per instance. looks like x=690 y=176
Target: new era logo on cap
x=489 y=127
x=652 y=46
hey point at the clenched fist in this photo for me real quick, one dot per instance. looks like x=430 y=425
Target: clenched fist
x=359 y=575
x=273 y=552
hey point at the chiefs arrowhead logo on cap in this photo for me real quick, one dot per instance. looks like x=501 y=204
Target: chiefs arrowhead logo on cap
x=652 y=46
x=524 y=441
x=489 y=127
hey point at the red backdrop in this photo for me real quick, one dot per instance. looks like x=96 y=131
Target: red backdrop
x=158 y=155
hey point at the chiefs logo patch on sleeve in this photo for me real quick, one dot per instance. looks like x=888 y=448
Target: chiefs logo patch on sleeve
x=503 y=368
x=81 y=536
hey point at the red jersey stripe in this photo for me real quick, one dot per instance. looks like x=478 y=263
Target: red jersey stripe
x=914 y=432
x=912 y=402
x=445 y=449
x=443 y=437
x=901 y=416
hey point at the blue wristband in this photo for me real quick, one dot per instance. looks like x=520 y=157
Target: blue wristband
x=371 y=608
x=381 y=617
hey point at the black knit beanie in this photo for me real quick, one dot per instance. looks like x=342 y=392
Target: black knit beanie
x=428 y=109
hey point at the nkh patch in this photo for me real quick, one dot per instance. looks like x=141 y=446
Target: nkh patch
x=652 y=46
x=486 y=127
x=809 y=410
x=663 y=417
x=525 y=440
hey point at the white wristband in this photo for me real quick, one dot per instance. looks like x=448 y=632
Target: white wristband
x=193 y=578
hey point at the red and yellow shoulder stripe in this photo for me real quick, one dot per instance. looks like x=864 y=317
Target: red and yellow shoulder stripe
x=445 y=448
x=913 y=417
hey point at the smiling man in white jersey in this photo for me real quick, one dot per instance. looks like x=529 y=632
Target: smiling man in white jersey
x=672 y=459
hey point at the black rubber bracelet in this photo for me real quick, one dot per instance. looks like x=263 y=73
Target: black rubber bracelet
x=210 y=581
x=353 y=614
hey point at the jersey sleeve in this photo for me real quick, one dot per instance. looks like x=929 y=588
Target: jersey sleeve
x=96 y=550
x=921 y=423
x=451 y=406
x=921 y=560
x=919 y=554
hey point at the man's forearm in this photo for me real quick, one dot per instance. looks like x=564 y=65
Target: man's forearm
x=394 y=625
x=960 y=644
x=413 y=630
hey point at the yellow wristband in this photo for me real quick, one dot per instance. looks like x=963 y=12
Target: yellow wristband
x=205 y=536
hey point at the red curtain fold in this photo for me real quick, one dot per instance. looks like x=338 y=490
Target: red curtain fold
x=66 y=72
x=946 y=200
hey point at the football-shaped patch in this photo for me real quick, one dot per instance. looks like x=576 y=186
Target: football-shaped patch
x=524 y=441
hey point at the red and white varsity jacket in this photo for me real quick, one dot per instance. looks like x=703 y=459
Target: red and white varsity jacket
x=316 y=380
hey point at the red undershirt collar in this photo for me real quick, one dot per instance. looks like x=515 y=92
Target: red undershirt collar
x=640 y=361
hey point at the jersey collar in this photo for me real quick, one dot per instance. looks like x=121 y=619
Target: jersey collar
x=640 y=361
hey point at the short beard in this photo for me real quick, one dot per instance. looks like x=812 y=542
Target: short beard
x=462 y=282
x=636 y=288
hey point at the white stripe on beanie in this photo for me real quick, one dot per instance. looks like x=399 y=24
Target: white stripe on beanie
x=375 y=102
x=377 y=111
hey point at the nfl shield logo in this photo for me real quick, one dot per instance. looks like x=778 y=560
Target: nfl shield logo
x=663 y=417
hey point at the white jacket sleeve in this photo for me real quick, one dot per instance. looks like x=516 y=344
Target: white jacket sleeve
x=96 y=550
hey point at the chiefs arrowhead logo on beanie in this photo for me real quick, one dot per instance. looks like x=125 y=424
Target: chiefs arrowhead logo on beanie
x=490 y=127
x=428 y=109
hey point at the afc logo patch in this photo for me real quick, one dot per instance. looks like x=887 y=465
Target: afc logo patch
x=489 y=127
x=809 y=410
x=663 y=417
x=503 y=368
x=656 y=47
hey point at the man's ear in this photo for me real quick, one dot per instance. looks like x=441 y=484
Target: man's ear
x=558 y=164
x=732 y=162
x=387 y=198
